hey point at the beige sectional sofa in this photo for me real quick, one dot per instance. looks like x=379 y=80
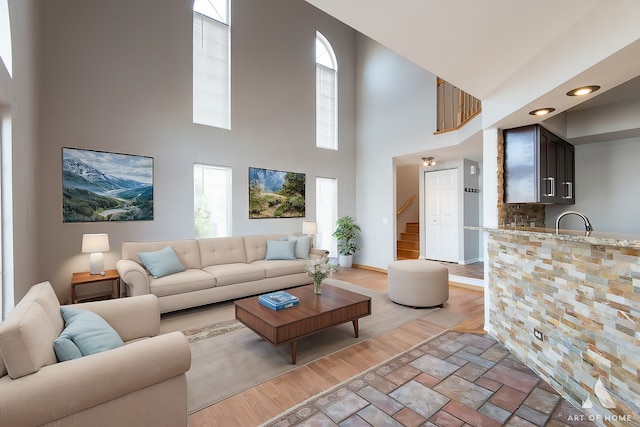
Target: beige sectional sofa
x=218 y=269
x=140 y=383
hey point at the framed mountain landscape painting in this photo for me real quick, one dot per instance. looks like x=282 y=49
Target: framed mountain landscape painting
x=102 y=186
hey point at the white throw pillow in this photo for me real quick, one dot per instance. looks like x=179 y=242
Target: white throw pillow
x=303 y=246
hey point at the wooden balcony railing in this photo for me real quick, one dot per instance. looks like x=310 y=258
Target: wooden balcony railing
x=455 y=107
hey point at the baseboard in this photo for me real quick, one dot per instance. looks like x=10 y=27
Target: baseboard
x=368 y=267
x=467 y=282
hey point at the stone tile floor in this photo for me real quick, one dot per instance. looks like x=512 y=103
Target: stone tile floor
x=453 y=380
x=474 y=270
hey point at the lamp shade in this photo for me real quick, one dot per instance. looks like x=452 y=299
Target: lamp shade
x=309 y=227
x=92 y=243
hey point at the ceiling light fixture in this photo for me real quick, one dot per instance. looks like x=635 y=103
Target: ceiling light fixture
x=428 y=161
x=584 y=90
x=542 y=111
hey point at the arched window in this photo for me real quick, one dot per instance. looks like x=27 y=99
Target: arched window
x=5 y=37
x=212 y=63
x=326 y=95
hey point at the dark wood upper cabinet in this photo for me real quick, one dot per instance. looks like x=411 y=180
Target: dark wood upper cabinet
x=538 y=167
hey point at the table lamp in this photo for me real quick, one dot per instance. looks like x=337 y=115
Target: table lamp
x=310 y=228
x=95 y=244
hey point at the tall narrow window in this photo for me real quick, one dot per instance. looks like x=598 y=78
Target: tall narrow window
x=212 y=201
x=6 y=214
x=326 y=95
x=212 y=63
x=327 y=214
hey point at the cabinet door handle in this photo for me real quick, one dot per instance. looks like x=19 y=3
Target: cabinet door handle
x=552 y=181
x=569 y=185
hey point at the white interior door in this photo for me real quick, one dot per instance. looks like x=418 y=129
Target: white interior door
x=441 y=211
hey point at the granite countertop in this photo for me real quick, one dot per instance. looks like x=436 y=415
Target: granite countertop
x=622 y=240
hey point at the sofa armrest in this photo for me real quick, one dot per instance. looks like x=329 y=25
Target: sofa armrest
x=315 y=253
x=65 y=388
x=135 y=276
x=132 y=318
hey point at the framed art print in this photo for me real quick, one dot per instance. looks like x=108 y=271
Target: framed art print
x=276 y=194
x=102 y=186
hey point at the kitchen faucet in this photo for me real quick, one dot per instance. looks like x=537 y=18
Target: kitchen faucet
x=587 y=224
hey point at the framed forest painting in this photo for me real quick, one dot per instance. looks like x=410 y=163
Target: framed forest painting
x=103 y=186
x=276 y=194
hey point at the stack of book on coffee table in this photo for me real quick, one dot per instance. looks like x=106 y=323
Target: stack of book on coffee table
x=278 y=300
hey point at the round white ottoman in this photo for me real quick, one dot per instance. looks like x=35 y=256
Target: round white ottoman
x=418 y=283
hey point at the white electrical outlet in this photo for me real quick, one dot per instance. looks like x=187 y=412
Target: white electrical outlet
x=538 y=334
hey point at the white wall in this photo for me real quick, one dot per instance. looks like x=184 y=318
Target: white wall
x=396 y=116
x=607 y=183
x=117 y=77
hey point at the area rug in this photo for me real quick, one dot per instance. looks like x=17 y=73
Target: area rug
x=227 y=358
x=451 y=379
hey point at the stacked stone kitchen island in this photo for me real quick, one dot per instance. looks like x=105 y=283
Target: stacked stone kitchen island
x=581 y=291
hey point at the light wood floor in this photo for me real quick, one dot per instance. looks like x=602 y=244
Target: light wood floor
x=259 y=404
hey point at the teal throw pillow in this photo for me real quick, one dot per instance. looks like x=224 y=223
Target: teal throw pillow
x=303 y=246
x=280 y=250
x=87 y=332
x=161 y=263
x=66 y=349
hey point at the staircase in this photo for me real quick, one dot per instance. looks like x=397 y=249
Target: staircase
x=408 y=246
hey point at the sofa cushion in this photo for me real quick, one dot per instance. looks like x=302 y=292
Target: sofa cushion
x=230 y=274
x=43 y=294
x=282 y=267
x=256 y=246
x=88 y=331
x=280 y=250
x=186 y=281
x=161 y=263
x=303 y=246
x=3 y=369
x=222 y=250
x=26 y=340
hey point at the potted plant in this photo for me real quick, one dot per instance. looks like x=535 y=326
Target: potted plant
x=347 y=232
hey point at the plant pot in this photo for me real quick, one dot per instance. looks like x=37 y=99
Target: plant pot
x=345 y=260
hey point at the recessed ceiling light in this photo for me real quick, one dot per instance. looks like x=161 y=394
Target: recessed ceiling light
x=584 y=90
x=542 y=111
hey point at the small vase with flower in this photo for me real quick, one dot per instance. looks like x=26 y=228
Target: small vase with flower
x=318 y=270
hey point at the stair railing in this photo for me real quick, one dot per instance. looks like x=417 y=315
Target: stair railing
x=455 y=107
x=406 y=204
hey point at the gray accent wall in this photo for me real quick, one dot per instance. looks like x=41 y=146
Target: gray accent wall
x=116 y=76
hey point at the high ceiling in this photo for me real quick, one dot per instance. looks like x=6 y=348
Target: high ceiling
x=513 y=55
x=445 y=36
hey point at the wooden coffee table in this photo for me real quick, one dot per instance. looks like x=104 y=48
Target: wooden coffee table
x=314 y=313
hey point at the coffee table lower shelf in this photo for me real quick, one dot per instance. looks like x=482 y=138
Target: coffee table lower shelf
x=314 y=313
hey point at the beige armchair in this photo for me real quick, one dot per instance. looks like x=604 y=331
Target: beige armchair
x=140 y=383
